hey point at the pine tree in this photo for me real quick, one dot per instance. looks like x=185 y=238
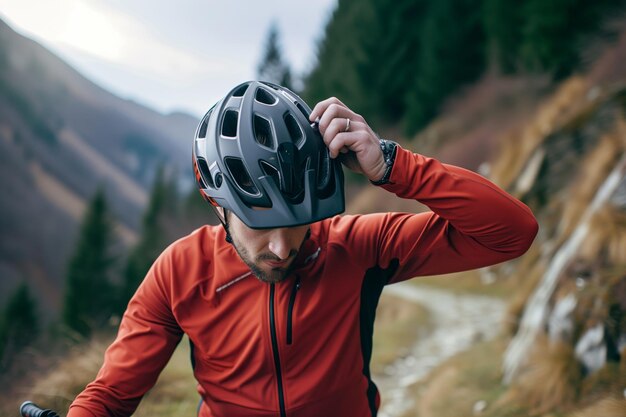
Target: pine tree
x=89 y=294
x=547 y=44
x=153 y=238
x=554 y=32
x=503 y=21
x=451 y=54
x=397 y=51
x=18 y=322
x=342 y=57
x=273 y=67
x=334 y=73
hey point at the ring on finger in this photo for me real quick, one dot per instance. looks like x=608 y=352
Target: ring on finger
x=347 y=125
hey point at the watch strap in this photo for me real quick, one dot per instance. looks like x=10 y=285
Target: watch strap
x=389 y=149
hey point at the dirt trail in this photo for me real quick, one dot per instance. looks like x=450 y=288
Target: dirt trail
x=458 y=322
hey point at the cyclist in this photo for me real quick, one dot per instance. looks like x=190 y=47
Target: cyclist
x=279 y=301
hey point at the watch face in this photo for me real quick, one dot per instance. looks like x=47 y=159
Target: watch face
x=388 y=148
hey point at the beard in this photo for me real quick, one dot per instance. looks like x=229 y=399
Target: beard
x=274 y=275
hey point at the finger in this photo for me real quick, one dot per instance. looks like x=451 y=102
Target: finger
x=337 y=126
x=336 y=111
x=321 y=107
x=343 y=140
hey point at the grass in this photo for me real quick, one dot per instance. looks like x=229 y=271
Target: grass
x=175 y=393
x=62 y=381
x=456 y=386
x=610 y=406
x=399 y=323
x=552 y=386
x=551 y=380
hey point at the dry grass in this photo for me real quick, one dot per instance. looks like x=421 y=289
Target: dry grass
x=592 y=172
x=518 y=146
x=453 y=388
x=174 y=394
x=606 y=239
x=399 y=323
x=552 y=387
x=478 y=114
x=550 y=381
x=63 y=381
x=611 y=406
x=608 y=381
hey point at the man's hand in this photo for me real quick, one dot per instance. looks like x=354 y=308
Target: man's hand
x=354 y=142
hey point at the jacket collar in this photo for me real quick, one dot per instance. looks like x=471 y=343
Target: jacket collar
x=237 y=270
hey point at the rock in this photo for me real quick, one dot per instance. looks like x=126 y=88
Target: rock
x=561 y=322
x=479 y=407
x=591 y=350
x=621 y=343
x=487 y=276
x=618 y=199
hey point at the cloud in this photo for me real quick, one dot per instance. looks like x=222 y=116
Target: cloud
x=181 y=55
x=95 y=29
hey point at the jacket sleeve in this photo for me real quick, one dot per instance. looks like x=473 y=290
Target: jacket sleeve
x=473 y=223
x=147 y=337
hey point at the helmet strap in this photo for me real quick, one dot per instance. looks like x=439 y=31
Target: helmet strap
x=224 y=222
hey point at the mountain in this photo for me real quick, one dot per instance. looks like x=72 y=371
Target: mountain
x=62 y=137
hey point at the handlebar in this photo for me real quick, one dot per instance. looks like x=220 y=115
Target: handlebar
x=29 y=409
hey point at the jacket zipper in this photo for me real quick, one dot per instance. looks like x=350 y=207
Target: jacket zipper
x=292 y=301
x=279 y=378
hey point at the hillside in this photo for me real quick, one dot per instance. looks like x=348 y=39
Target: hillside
x=62 y=137
x=562 y=349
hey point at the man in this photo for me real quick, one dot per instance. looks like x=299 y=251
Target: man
x=279 y=301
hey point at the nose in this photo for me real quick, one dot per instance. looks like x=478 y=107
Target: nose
x=280 y=244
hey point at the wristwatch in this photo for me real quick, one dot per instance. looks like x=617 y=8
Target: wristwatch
x=389 y=148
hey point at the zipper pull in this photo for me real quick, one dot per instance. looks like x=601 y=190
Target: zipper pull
x=292 y=301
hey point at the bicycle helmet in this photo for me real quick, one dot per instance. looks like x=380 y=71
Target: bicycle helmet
x=256 y=153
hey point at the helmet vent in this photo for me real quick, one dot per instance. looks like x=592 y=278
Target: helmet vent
x=203 y=127
x=294 y=128
x=229 y=124
x=269 y=170
x=265 y=97
x=205 y=123
x=263 y=131
x=240 y=91
x=269 y=84
x=240 y=175
x=302 y=110
x=323 y=170
x=205 y=173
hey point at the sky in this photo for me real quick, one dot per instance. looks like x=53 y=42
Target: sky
x=170 y=56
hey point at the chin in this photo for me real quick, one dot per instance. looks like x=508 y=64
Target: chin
x=272 y=276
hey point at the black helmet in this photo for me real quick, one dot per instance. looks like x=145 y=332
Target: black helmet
x=256 y=149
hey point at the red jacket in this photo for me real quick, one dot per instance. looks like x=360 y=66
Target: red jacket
x=302 y=347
